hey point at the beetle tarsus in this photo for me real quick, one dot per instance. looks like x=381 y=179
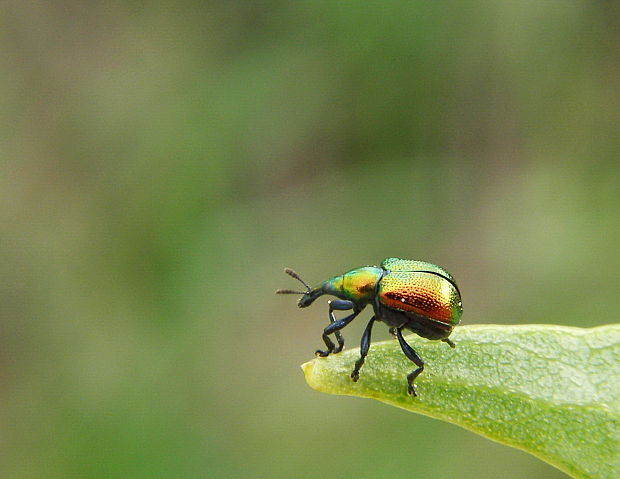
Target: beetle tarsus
x=411 y=390
x=410 y=378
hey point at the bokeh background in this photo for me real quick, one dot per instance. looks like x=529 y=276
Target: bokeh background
x=161 y=162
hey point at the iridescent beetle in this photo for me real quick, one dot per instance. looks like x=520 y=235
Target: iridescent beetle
x=405 y=294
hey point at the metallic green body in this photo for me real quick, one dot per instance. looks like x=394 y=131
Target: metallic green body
x=419 y=288
x=358 y=285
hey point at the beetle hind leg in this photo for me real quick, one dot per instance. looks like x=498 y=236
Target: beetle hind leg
x=449 y=343
x=413 y=356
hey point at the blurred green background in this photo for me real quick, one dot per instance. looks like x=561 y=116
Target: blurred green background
x=162 y=162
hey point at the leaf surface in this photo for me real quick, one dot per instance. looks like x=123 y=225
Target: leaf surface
x=553 y=391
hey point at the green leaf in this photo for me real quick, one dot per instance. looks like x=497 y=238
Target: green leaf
x=549 y=390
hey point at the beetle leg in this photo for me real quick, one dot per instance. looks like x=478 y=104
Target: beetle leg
x=333 y=328
x=413 y=356
x=365 y=346
x=449 y=343
x=339 y=305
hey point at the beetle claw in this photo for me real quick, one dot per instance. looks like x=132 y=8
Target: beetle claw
x=411 y=390
x=321 y=354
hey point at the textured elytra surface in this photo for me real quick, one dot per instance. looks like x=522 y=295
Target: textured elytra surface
x=422 y=293
x=399 y=264
x=550 y=390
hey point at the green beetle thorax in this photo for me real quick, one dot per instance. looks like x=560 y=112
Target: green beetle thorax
x=358 y=285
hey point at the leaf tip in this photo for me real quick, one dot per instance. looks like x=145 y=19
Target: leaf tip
x=313 y=375
x=307 y=368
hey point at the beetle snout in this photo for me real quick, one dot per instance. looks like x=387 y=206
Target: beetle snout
x=308 y=298
x=305 y=301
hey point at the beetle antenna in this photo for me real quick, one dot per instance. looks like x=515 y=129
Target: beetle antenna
x=293 y=274
x=289 y=291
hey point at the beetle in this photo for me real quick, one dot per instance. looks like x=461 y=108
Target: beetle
x=405 y=294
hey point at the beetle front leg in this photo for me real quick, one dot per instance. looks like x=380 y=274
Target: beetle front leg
x=413 y=356
x=338 y=305
x=336 y=326
x=365 y=346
